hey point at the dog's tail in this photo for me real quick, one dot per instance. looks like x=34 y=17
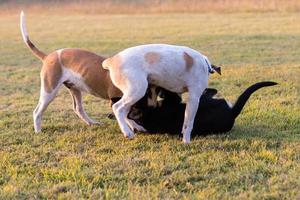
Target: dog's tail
x=243 y=98
x=41 y=55
x=109 y=62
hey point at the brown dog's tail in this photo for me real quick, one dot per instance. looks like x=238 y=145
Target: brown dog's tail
x=41 y=55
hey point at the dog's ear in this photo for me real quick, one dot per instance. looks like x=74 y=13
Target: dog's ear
x=217 y=69
x=210 y=92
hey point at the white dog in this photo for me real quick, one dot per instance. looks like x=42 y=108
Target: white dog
x=175 y=68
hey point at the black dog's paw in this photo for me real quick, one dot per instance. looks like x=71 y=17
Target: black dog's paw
x=180 y=136
x=111 y=116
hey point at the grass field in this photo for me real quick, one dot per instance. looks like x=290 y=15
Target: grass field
x=258 y=159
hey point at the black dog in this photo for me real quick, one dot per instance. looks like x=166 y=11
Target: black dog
x=214 y=116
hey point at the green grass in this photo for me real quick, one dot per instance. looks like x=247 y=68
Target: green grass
x=258 y=159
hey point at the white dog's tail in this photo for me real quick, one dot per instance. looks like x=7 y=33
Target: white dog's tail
x=109 y=62
x=41 y=55
x=105 y=64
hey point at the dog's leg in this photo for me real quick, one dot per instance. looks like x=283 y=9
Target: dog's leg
x=152 y=98
x=132 y=92
x=44 y=101
x=190 y=113
x=78 y=108
x=120 y=114
x=134 y=126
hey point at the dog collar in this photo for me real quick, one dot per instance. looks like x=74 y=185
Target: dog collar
x=210 y=69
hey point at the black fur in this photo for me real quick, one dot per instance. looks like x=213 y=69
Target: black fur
x=213 y=116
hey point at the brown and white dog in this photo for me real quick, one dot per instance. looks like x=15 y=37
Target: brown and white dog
x=175 y=68
x=79 y=70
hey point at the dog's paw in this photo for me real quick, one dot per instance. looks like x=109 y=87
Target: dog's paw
x=134 y=126
x=129 y=135
x=180 y=136
x=140 y=128
x=95 y=123
x=37 y=130
x=186 y=139
x=111 y=116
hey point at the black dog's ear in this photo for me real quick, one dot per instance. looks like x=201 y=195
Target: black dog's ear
x=210 y=92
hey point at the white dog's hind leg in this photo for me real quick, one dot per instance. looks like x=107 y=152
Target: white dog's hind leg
x=78 y=108
x=190 y=113
x=44 y=101
x=121 y=112
x=132 y=92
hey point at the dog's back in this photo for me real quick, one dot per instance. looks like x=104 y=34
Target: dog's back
x=168 y=66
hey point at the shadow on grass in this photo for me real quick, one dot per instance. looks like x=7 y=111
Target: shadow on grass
x=60 y=128
x=250 y=132
x=263 y=133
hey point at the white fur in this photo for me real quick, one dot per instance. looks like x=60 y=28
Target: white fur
x=23 y=27
x=229 y=104
x=72 y=76
x=44 y=100
x=170 y=72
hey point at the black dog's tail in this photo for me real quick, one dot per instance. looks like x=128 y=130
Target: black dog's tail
x=243 y=98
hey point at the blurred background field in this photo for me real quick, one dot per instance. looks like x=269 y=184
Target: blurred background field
x=252 y=40
x=150 y=6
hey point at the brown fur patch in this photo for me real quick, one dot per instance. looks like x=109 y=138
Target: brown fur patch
x=35 y=50
x=51 y=72
x=152 y=57
x=189 y=61
x=89 y=66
